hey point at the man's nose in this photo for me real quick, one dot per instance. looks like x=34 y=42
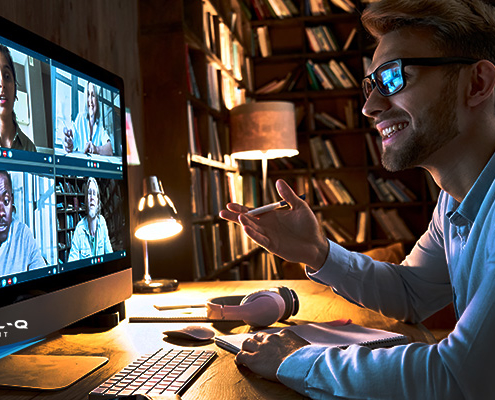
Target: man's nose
x=375 y=104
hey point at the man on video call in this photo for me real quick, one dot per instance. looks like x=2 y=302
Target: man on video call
x=91 y=234
x=430 y=92
x=18 y=249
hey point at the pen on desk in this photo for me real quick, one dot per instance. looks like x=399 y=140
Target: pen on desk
x=271 y=207
x=179 y=306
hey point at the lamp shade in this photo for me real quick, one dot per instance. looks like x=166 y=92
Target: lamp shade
x=263 y=130
x=157 y=216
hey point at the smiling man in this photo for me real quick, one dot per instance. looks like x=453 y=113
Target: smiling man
x=18 y=249
x=91 y=234
x=430 y=91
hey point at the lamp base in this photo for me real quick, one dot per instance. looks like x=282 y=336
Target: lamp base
x=155 y=286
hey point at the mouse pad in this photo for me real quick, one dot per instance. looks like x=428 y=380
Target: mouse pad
x=45 y=372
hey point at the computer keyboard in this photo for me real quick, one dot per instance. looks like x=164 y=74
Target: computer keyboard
x=167 y=371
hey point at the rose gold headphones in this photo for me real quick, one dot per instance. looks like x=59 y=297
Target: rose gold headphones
x=261 y=308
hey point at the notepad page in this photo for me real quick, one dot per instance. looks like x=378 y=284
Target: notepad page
x=326 y=335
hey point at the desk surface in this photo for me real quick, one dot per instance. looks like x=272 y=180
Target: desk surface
x=223 y=379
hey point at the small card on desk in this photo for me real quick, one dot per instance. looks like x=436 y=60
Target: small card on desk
x=340 y=334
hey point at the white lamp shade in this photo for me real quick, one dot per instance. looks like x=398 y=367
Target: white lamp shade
x=263 y=130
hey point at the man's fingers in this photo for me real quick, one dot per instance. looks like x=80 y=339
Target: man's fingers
x=238 y=208
x=287 y=193
x=243 y=357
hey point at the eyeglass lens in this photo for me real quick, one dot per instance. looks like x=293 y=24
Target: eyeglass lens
x=388 y=78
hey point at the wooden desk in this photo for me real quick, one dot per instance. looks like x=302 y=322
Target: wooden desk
x=223 y=379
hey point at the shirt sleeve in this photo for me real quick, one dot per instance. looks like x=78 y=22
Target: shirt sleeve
x=101 y=136
x=411 y=291
x=78 y=132
x=108 y=245
x=459 y=367
x=35 y=259
x=75 y=248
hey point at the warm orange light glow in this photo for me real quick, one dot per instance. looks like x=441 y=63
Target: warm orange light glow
x=151 y=201
x=161 y=200
x=159 y=229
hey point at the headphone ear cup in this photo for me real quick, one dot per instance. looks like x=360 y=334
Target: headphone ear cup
x=266 y=308
x=291 y=302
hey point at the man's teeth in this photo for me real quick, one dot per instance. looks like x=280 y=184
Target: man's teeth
x=388 y=132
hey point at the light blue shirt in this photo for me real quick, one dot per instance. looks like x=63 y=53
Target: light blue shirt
x=84 y=245
x=453 y=261
x=19 y=253
x=82 y=133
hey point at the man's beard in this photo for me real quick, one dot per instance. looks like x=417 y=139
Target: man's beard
x=436 y=127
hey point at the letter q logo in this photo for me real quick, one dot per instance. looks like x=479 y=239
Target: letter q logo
x=21 y=324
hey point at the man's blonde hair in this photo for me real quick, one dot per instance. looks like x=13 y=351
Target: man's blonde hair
x=460 y=27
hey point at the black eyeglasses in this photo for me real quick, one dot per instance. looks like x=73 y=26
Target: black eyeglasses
x=389 y=77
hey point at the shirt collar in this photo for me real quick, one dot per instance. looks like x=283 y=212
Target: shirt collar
x=467 y=210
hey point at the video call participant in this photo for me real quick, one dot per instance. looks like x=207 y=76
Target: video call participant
x=439 y=114
x=91 y=234
x=18 y=249
x=11 y=135
x=89 y=135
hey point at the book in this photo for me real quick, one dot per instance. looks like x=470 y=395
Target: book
x=313 y=81
x=340 y=333
x=264 y=41
x=345 y=5
x=341 y=74
x=362 y=226
x=336 y=230
x=333 y=153
x=349 y=39
x=321 y=75
x=327 y=191
x=319 y=153
x=312 y=40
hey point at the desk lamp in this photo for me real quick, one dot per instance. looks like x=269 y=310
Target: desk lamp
x=157 y=219
x=262 y=131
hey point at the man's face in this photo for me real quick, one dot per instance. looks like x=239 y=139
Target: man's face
x=418 y=121
x=7 y=89
x=5 y=207
x=92 y=199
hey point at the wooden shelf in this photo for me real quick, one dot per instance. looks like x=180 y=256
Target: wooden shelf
x=186 y=104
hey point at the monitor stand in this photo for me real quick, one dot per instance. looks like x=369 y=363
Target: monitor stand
x=46 y=372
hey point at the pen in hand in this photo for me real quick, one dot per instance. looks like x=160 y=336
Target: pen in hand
x=271 y=207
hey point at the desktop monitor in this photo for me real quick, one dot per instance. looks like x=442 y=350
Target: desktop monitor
x=64 y=215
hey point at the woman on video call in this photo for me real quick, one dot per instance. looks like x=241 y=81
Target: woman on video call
x=11 y=136
x=88 y=134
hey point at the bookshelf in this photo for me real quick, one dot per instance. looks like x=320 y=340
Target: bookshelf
x=294 y=58
x=195 y=66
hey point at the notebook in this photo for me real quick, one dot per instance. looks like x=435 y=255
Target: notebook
x=340 y=333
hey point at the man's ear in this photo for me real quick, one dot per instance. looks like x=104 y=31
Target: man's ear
x=482 y=83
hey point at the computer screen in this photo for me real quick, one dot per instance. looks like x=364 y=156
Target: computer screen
x=64 y=218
